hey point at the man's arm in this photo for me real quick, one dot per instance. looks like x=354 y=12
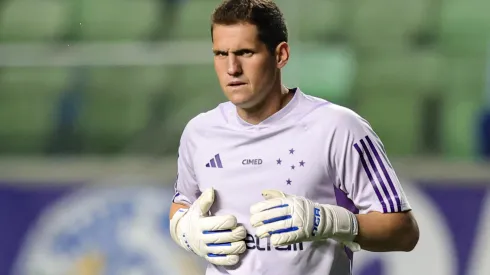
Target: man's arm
x=372 y=211
x=365 y=176
x=186 y=185
x=384 y=232
x=290 y=219
x=175 y=207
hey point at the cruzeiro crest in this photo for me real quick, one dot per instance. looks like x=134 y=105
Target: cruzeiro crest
x=290 y=162
x=105 y=231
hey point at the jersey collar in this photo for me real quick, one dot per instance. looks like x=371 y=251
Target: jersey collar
x=278 y=117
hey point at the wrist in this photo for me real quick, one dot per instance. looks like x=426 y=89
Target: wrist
x=178 y=230
x=340 y=224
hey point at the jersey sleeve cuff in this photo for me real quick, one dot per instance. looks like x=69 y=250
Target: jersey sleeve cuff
x=181 y=199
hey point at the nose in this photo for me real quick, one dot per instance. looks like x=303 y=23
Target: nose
x=234 y=67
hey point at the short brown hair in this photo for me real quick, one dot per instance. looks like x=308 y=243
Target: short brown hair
x=264 y=14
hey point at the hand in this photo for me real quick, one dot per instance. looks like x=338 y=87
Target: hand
x=291 y=219
x=218 y=239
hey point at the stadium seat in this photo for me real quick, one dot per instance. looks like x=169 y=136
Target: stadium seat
x=461 y=115
x=23 y=20
x=194 y=22
x=465 y=17
x=395 y=119
x=322 y=71
x=461 y=75
x=314 y=20
x=119 y=101
x=464 y=40
x=391 y=76
x=102 y=21
x=198 y=82
x=408 y=73
x=28 y=102
x=465 y=28
x=115 y=106
x=383 y=25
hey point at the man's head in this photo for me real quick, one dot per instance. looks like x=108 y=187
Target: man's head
x=250 y=47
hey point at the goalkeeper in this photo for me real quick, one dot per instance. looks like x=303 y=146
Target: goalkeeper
x=275 y=181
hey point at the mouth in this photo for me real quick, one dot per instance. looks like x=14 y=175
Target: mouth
x=236 y=84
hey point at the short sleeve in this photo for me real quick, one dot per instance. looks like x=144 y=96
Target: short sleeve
x=362 y=169
x=186 y=185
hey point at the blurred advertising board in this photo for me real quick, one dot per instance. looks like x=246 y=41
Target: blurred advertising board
x=65 y=229
x=77 y=229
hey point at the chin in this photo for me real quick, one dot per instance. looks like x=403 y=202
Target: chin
x=241 y=100
x=242 y=103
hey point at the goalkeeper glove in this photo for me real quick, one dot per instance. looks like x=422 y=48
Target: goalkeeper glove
x=291 y=219
x=218 y=239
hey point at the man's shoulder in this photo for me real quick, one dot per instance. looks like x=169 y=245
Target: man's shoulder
x=332 y=114
x=339 y=121
x=210 y=118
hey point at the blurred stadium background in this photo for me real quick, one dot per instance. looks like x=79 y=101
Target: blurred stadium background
x=94 y=95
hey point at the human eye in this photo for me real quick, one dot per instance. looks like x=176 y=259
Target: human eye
x=245 y=53
x=220 y=53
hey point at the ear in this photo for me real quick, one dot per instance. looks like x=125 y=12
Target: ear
x=282 y=54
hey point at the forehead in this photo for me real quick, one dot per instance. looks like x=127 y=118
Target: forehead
x=235 y=36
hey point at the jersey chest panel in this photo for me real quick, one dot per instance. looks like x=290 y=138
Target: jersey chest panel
x=240 y=166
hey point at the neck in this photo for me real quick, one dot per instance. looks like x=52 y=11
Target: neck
x=274 y=101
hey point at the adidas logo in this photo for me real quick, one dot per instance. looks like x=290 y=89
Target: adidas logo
x=215 y=162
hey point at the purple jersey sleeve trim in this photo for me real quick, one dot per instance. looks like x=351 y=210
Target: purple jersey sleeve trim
x=175 y=196
x=350 y=255
x=385 y=172
x=381 y=175
x=370 y=176
x=378 y=175
x=344 y=201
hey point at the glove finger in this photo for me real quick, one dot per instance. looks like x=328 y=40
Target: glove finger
x=278 y=227
x=272 y=194
x=216 y=223
x=286 y=238
x=269 y=216
x=234 y=235
x=206 y=200
x=268 y=204
x=222 y=259
x=226 y=248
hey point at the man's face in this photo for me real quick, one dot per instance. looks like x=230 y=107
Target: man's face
x=246 y=69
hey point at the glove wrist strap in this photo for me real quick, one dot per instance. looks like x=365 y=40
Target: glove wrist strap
x=344 y=224
x=176 y=232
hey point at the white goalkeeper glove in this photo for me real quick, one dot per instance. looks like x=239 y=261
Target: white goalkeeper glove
x=291 y=219
x=218 y=239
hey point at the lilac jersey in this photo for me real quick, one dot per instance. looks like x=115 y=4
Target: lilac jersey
x=310 y=148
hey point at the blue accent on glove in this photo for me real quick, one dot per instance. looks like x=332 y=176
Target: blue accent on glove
x=216 y=255
x=215 y=231
x=277 y=219
x=279 y=206
x=218 y=244
x=284 y=230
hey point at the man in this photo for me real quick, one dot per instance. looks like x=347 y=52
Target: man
x=275 y=181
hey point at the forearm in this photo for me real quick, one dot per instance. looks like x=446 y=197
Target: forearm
x=387 y=232
x=175 y=207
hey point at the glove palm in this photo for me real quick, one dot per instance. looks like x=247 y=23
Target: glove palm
x=291 y=219
x=218 y=239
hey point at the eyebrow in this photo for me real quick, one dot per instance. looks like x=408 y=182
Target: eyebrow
x=219 y=51
x=238 y=51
